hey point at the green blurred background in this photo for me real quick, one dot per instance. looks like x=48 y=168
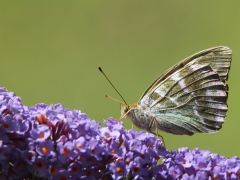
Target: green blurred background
x=50 y=52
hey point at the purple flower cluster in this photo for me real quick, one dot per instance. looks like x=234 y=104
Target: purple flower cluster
x=52 y=142
x=197 y=164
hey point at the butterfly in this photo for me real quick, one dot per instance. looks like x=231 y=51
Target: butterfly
x=190 y=97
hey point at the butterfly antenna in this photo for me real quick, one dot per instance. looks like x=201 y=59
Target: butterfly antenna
x=100 y=69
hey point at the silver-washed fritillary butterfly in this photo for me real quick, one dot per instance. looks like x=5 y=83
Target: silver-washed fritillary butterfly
x=190 y=97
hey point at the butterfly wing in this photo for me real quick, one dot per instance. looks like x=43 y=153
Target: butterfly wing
x=191 y=96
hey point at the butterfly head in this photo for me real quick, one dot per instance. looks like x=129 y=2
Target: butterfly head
x=126 y=109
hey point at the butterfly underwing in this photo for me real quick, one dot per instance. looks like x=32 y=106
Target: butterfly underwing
x=190 y=97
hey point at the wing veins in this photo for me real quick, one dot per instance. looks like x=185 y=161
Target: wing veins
x=196 y=105
x=176 y=82
x=209 y=75
x=188 y=93
x=186 y=102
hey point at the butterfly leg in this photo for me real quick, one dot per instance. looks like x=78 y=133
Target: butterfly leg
x=121 y=119
x=157 y=135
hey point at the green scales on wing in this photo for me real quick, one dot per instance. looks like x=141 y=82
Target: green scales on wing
x=190 y=97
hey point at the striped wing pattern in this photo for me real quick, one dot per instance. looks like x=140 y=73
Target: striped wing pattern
x=191 y=97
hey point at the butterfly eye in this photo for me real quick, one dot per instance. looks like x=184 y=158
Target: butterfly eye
x=126 y=108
